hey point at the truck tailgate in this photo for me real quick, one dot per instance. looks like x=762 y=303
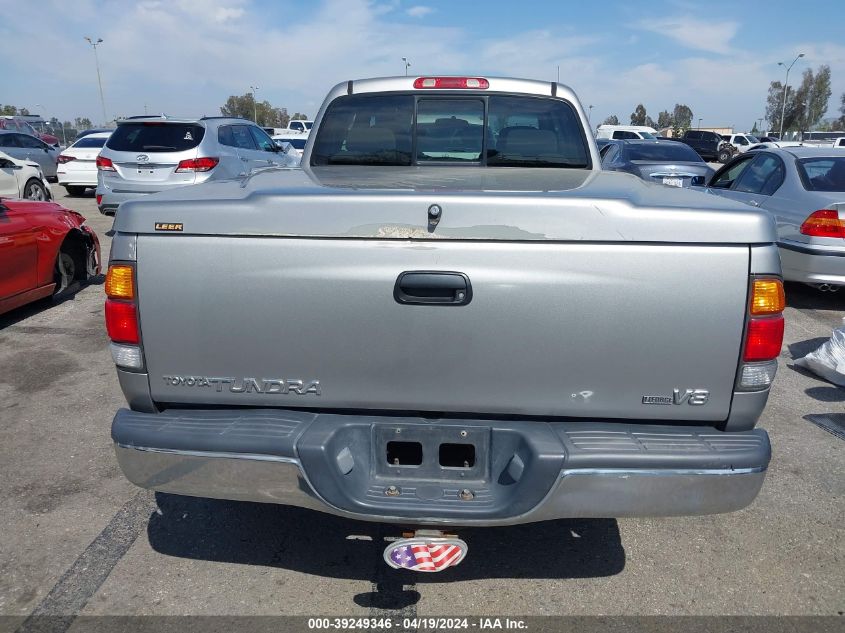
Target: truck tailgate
x=584 y=330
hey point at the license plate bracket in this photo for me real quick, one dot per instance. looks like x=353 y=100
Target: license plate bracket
x=431 y=451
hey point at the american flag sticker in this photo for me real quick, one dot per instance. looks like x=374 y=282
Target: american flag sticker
x=425 y=554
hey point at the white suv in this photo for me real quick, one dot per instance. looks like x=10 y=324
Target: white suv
x=150 y=154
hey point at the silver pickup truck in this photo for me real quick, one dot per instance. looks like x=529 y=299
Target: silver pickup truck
x=448 y=316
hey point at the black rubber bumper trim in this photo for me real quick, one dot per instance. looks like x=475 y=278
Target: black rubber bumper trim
x=598 y=444
x=792 y=246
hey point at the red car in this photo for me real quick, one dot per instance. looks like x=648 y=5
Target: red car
x=16 y=124
x=45 y=249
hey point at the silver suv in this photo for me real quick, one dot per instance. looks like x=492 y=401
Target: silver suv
x=150 y=154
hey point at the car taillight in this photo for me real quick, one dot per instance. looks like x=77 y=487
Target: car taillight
x=824 y=223
x=476 y=83
x=197 y=164
x=105 y=164
x=99 y=198
x=764 y=334
x=64 y=158
x=122 y=316
x=764 y=339
x=121 y=322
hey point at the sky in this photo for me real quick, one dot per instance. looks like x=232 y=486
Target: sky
x=185 y=57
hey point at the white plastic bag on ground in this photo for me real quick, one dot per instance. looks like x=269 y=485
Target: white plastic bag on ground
x=828 y=361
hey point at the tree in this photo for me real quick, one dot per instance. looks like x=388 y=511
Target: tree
x=840 y=124
x=83 y=123
x=611 y=120
x=819 y=96
x=246 y=107
x=682 y=116
x=805 y=105
x=8 y=110
x=299 y=117
x=284 y=117
x=774 y=105
x=664 y=119
x=638 y=116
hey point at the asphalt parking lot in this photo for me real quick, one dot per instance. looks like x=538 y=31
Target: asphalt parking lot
x=79 y=539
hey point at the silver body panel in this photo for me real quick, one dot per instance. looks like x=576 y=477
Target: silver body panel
x=547 y=324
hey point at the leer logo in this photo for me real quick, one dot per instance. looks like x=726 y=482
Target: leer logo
x=168 y=226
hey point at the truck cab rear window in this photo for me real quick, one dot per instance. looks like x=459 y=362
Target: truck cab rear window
x=155 y=137
x=500 y=131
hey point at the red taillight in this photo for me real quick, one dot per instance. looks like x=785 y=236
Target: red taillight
x=121 y=322
x=99 y=198
x=472 y=83
x=105 y=164
x=824 y=223
x=197 y=164
x=764 y=339
x=64 y=158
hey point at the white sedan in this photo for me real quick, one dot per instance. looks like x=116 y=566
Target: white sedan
x=77 y=168
x=22 y=179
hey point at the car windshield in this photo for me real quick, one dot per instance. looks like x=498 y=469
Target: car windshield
x=662 y=152
x=155 y=137
x=823 y=174
x=752 y=139
x=648 y=135
x=409 y=129
x=89 y=141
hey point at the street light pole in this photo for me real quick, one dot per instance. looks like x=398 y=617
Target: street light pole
x=407 y=65
x=699 y=123
x=254 y=104
x=785 y=88
x=589 y=112
x=99 y=79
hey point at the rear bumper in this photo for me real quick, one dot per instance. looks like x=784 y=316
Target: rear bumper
x=524 y=471
x=812 y=264
x=78 y=178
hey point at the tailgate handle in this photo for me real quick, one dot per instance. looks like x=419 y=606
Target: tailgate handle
x=432 y=287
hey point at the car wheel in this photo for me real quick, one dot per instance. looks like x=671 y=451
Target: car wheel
x=74 y=190
x=34 y=190
x=64 y=274
x=725 y=155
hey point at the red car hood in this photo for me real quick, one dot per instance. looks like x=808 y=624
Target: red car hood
x=49 y=139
